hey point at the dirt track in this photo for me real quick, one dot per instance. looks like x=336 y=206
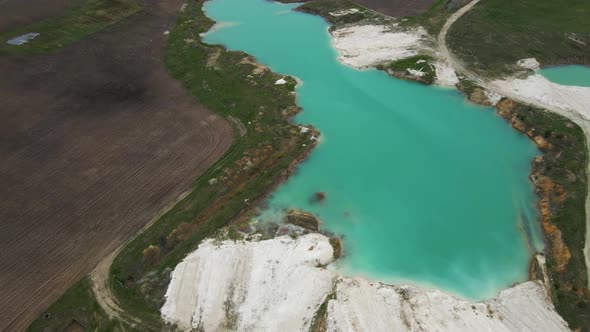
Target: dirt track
x=397 y=8
x=96 y=139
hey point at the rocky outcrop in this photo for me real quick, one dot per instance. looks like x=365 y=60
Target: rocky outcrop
x=542 y=142
x=302 y=219
x=318 y=197
x=528 y=63
x=478 y=96
x=270 y=285
x=506 y=108
x=551 y=195
x=336 y=246
x=410 y=76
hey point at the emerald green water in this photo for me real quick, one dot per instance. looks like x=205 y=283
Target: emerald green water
x=568 y=75
x=424 y=187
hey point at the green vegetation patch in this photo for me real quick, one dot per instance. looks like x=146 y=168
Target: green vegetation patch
x=421 y=63
x=319 y=322
x=82 y=18
x=77 y=307
x=495 y=34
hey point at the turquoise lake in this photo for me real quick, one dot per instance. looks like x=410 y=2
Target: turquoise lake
x=568 y=75
x=424 y=187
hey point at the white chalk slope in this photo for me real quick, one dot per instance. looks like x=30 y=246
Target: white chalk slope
x=364 y=46
x=271 y=285
x=278 y=285
x=538 y=90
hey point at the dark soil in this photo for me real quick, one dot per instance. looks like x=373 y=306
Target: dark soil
x=14 y=13
x=96 y=139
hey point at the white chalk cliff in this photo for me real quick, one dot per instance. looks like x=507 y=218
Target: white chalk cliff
x=279 y=284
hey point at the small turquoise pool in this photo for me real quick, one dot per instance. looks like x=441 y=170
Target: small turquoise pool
x=568 y=75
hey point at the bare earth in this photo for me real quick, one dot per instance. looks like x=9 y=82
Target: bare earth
x=96 y=139
x=397 y=8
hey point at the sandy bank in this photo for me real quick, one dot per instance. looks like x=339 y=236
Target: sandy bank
x=367 y=45
x=571 y=101
x=279 y=284
x=363 y=46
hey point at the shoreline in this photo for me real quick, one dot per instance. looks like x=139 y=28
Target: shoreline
x=489 y=95
x=334 y=298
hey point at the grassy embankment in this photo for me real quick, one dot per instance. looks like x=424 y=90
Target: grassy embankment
x=420 y=63
x=561 y=202
x=77 y=303
x=266 y=144
x=80 y=19
x=496 y=33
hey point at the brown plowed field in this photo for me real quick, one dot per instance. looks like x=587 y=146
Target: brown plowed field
x=95 y=140
x=21 y=12
x=397 y=8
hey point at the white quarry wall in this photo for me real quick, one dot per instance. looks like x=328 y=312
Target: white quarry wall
x=272 y=285
x=278 y=285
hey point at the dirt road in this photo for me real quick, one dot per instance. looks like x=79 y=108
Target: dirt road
x=96 y=139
